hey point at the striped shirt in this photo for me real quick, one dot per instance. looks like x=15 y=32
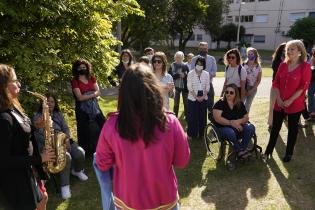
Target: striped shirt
x=196 y=83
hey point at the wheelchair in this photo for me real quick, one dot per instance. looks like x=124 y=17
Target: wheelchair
x=216 y=146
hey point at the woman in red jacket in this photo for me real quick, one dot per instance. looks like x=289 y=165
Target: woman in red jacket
x=290 y=84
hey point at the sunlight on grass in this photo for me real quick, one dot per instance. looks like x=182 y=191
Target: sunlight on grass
x=206 y=184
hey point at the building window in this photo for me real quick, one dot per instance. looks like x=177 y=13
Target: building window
x=248 y=0
x=296 y=16
x=259 y=39
x=236 y=19
x=229 y=19
x=199 y=37
x=312 y=14
x=230 y=1
x=247 y=18
x=263 y=0
x=261 y=18
x=247 y=38
x=192 y=38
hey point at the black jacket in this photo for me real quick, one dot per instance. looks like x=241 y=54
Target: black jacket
x=176 y=74
x=15 y=163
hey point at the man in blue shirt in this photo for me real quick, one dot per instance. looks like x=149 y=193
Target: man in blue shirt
x=211 y=67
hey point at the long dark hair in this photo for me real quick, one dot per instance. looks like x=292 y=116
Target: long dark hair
x=163 y=57
x=128 y=52
x=48 y=95
x=76 y=65
x=140 y=105
x=276 y=56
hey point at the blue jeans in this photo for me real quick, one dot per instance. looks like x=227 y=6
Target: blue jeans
x=105 y=182
x=228 y=133
x=311 y=97
x=249 y=99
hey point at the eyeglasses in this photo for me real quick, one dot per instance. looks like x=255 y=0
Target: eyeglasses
x=229 y=92
x=157 y=61
x=231 y=57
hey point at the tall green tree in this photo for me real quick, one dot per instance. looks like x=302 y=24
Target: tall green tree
x=304 y=29
x=213 y=18
x=139 y=31
x=184 y=15
x=42 y=38
x=228 y=33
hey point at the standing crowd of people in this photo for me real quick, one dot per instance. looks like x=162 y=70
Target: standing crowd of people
x=138 y=146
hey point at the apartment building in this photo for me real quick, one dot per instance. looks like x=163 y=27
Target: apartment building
x=267 y=21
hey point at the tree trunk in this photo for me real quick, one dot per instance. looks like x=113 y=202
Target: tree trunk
x=183 y=41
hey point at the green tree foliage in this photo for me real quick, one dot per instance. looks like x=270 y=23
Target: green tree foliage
x=138 y=31
x=304 y=29
x=184 y=16
x=229 y=33
x=41 y=38
x=212 y=21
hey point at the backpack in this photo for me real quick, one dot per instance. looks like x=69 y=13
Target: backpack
x=239 y=70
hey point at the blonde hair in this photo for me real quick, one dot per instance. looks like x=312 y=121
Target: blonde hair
x=179 y=53
x=6 y=100
x=300 y=46
x=257 y=60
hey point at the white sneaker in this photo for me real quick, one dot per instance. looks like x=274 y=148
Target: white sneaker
x=81 y=175
x=65 y=192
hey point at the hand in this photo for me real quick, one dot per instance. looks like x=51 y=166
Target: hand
x=287 y=103
x=40 y=123
x=68 y=146
x=170 y=86
x=48 y=155
x=199 y=98
x=182 y=75
x=237 y=125
x=280 y=102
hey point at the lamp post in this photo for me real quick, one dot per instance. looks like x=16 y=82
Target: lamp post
x=239 y=23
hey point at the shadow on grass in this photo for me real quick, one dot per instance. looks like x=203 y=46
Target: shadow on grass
x=233 y=189
x=191 y=176
x=85 y=195
x=296 y=178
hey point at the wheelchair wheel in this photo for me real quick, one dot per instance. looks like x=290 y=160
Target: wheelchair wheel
x=213 y=144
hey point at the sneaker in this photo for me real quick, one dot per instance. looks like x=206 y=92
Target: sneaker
x=65 y=192
x=81 y=175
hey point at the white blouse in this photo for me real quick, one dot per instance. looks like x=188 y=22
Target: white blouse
x=196 y=83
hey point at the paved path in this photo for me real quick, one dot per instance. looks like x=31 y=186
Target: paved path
x=263 y=88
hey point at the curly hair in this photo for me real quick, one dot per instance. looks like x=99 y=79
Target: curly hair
x=234 y=51
x=140 y=105
x=76 y=65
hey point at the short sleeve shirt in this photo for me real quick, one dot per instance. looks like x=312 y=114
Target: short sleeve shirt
x=232 y=76
x=252 y=74
x=84 y=88
x=236 y=113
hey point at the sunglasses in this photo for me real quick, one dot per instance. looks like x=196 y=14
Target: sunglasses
x=229 y=92
x=157 y=61
x=231 y=57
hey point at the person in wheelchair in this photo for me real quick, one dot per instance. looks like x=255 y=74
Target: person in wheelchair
x=231 y=121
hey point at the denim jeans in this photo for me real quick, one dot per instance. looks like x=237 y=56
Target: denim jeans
x=311 y=97
x=229 y=134
x=249 y=99
x=105 y=181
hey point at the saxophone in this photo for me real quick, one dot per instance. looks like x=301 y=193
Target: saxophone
x=54 y=140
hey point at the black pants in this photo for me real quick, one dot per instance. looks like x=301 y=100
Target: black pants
x=184 y=93
x=88 y=131
x=293 y=120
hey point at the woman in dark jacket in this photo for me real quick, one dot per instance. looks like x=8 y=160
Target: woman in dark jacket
x=126 y=59
x=20 y=161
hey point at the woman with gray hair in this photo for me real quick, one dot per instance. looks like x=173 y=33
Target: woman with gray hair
x=179 y=72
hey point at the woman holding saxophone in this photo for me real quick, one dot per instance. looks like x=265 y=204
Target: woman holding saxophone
x=20 y=161
x=75 y=155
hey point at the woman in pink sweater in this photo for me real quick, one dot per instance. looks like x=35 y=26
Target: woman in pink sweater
x=142 y=143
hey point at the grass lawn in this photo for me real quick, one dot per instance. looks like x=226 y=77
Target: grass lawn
x=206 y=184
